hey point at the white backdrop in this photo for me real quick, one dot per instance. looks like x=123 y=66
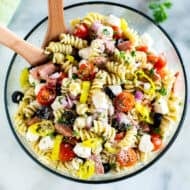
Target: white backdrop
x=18 y=171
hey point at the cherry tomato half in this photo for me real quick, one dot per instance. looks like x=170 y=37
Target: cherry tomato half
x=66 y=152
x=81 y=31
x=151 y=57
x=161 y=72
x=143 y=48
x=157 y=141
x=46 y=95
x=86 y=71
x=119 y=136
x=127 y=157
x=117 y=32
x=160 y=63
x=124 y=102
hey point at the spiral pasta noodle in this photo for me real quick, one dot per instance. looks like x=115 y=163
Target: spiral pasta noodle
x=70 y=166
x=112 y=79
x=173 y=105
x=29 y=95
x=118 y=69
x=97 y=48
x=41 y=153
x=108 y=157
x=82 y=109
x=103 y=130
x=132 y=35
x=30 y=109
x=20 y=123
x=130 y=138
x=90 y=18
x=65 y=85
x=57 y=47
x=66 y=65
x=144 y=157
x=98 y=82
x=129 y=86
x=58 y=114
x=85 y=134
x=117 y=57
x=73 y=41
x=58 y=58
x=141 y=57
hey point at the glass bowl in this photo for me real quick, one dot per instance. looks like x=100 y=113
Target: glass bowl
x=136 y=20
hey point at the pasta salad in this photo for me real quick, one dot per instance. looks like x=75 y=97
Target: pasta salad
x=105 y=101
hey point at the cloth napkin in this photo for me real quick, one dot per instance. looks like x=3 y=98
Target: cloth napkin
x=7 y=10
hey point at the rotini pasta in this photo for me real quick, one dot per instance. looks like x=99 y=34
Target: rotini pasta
x=20 y=123
x=90 y=18
x=132 y=35
x=113 y=79
x=70 y=166
x=118 y=69
x=82 y=109
x=58 y=58
x=58 y=114
x=66 y=66
x=29 y=95
x=103 y=130
x=85 y=134
x=130 y=138
x=73 y=41
x=98 y=82
x=57 y=47
x=31 y=108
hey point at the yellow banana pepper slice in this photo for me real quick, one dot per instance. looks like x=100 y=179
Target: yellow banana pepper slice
x=85 y=91
x=87 y=170
x=141 y=74
x=108 y=146
x=56 y=148
x=70 y=58
x=92 y=143
x=42 y=128
x=24 y=82
x=144 y=112
x=123 y=24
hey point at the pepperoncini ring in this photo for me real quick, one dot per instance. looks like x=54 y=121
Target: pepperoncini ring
x=56 y=147
x=140 y=73
x=42 y=128
x=86 y=170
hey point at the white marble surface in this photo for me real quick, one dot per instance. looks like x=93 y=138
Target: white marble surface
x=18 y=171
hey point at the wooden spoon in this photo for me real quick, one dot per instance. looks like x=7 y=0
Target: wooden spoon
x=56 y=24
x=32 y=54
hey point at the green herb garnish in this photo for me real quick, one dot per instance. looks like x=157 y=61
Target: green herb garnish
x=151 y=71
x=106 y=32
x=122 y=54
x=113 y=166
x=67 y=118
x=159 y=9
x=74 y=76
x=156 y=130
x=75 y=133
x=163 y=91
x=180 y=103
x=133 y=53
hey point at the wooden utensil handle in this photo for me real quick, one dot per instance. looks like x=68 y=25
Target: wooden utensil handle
x=32 y=54
x=56 y=24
